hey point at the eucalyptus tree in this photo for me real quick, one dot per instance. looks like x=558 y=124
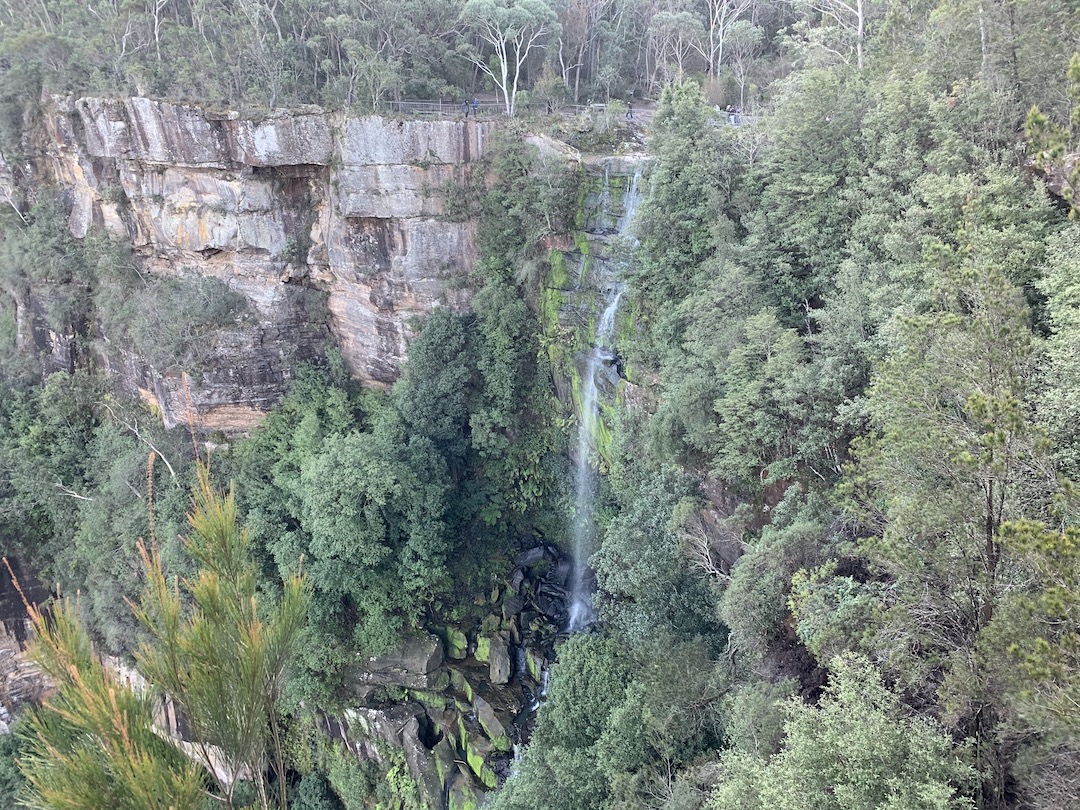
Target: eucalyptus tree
x=843 y=26
x=672 y=46
x=513 y=29
x=368 y=68
x=579 y=43
x=719 y=17
x=745 y=43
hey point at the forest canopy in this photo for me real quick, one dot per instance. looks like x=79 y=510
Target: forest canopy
x=836 y=562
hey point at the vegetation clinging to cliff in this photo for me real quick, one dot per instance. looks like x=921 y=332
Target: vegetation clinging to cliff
x=837 y=546
x=846 y=352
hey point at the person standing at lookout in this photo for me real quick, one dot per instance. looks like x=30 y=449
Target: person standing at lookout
x=466 y=105
x=475 y=107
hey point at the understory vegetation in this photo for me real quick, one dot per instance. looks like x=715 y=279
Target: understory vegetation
x=838 y=563
x=358 y=54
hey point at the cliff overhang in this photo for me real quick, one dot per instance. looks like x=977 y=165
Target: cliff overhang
x=348 y=207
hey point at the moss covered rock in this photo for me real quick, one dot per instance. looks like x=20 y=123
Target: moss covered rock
x=490 y=723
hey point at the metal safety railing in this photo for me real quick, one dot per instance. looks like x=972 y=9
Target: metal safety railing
x=450 y=109
x=442 y=108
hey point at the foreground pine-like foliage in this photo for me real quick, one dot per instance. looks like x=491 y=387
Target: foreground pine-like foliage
x=212 y=650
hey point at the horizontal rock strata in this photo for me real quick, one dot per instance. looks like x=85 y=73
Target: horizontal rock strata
x=350 y=207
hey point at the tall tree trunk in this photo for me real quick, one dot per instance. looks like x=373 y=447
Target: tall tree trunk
x=983 y=41
x=861 y=34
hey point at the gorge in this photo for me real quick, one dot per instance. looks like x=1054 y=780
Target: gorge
x=662 y=454
x=344 y=232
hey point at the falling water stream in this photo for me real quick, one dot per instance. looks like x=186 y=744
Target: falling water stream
x=601 y=357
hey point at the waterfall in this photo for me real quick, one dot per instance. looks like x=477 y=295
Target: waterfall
x=602 y=355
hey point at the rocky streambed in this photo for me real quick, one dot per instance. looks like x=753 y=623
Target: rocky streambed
x=456 y=699
x=459 y=698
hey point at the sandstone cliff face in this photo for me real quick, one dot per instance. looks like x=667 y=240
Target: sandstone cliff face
x=22 y=682
x=346 y=206
x=1062 y=179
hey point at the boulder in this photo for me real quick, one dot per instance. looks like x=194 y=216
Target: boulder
x=490 y=723
x=464 y=794
x=477 y=750
x=363 y=692
x=534 y=664
x=551 y=605
x=461 y=684
x=421 y=654
x=499 y=663
x=513 y=606
x=422 y=765
x=434 y=699
x=516 y=580
x=387 y=725
x=553 y=149
x=439 y=680
x=413 y=665
x=457 y=643
x=445 y=759
x=530 y=557
x=553 y=590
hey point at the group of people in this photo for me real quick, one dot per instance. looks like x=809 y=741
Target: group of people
x=475 y=105
x=734 y=113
